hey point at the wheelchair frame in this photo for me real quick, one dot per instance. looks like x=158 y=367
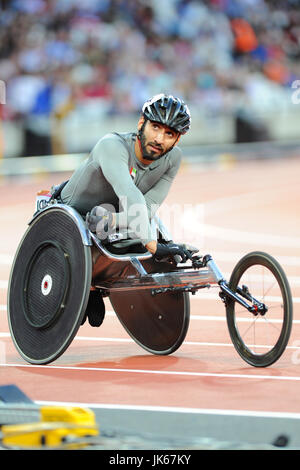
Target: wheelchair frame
x=171 y=280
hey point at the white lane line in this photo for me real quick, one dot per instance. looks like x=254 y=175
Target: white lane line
x=209 y=296
x=232 y=256
x=246 y=200
x=156 y=372
x=189 y=343
x=174 y=409
x=129 y=340
x=6 y=259
x=243 y=237
x=111 y=313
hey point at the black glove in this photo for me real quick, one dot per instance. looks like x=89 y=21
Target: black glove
x=178 y=253
x=99 y=221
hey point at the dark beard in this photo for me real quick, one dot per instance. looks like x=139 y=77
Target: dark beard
x=150 y=156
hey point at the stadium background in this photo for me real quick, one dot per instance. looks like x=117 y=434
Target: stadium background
x=74 y=70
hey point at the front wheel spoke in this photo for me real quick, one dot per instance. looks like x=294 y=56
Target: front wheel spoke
x=252 y=325
x=265 y=293
x=274 y=325
x=261 y=336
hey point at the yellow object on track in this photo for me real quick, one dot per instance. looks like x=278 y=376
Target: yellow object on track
x=59 y=427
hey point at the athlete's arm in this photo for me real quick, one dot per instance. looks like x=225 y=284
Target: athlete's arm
x=112 y=157
x=158 y=193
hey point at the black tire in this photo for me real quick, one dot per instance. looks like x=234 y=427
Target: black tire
x=276 y=323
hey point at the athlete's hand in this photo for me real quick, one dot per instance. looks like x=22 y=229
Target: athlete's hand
x=178 y=253
x=99 y=221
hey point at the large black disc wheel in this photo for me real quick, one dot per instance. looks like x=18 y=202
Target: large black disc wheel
x=159 y=323
x=260 y=337
x=49 y=286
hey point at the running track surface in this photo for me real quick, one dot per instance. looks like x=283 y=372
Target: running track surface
x=246 y=206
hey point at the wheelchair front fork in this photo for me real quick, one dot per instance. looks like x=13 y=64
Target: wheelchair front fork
x=228 y=295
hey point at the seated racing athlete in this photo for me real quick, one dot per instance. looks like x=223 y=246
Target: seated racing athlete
x=132 y=169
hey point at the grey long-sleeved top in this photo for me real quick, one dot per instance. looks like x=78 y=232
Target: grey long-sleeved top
x=113 y=175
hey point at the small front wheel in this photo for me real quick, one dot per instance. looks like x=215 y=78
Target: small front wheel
x=260 y=338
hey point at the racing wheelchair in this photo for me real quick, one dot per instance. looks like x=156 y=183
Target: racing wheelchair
x=59 y=262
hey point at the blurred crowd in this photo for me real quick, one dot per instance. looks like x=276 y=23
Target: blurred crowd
x=108 y=56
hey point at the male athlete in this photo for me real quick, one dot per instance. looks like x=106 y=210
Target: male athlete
x=132 y=170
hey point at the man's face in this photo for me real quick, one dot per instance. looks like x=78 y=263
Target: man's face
x=156 y=139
